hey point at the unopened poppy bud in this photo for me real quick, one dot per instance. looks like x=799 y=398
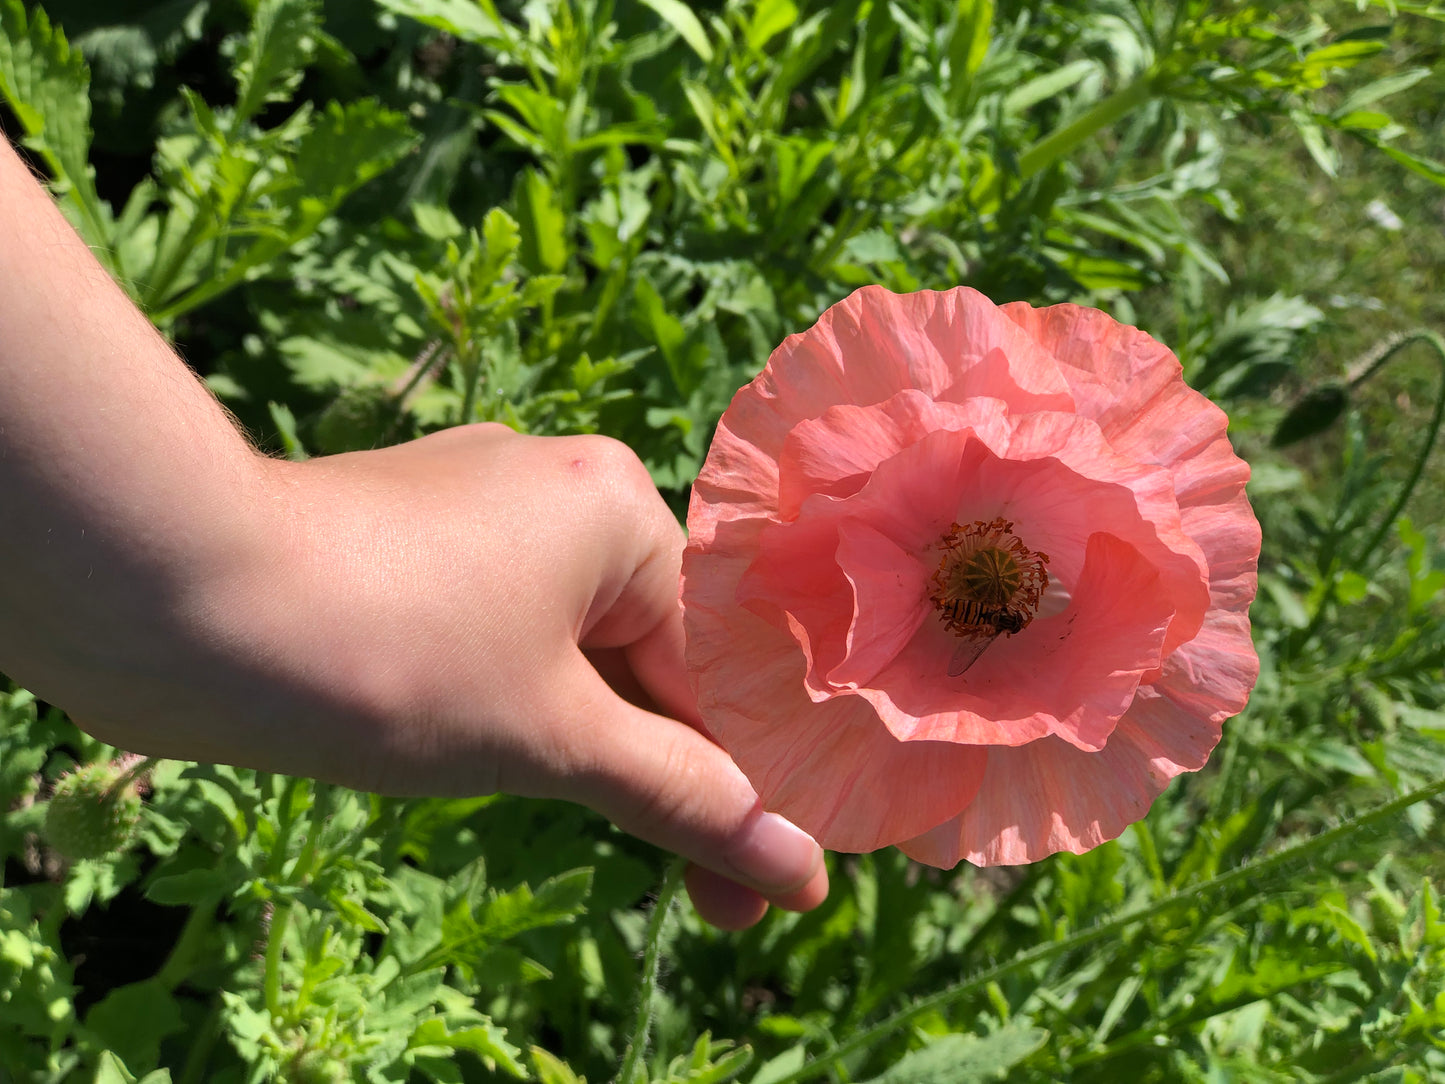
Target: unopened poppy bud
x=94 y=812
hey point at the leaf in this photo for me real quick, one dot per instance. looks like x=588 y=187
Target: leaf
x=1342 y=54
x=192 y=887
x=46 y=84
x=552 y=1069
x=110 y=1069
x=968 y=44
x=680 y=17
x=347 y=146
x=487 y=1041
x=285 y=422
x=543 y=224
x=964 y=1059
x=684 y=362
x=1316 y=142
x=873 y=246
x=469 y=930
x=770 y=18
x=784 y=1065
x=343 y=148
x=558 y=900
x=1429 y=168
x=475 y=21
x=1047 y=86
x=1381 y=88
x=132 y=1020
x=272 y=55
x=438 y=223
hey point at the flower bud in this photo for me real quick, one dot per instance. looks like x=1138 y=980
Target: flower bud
x=91 y=813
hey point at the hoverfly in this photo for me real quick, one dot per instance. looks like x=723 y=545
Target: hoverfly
x=971 y=647
x=988 y=584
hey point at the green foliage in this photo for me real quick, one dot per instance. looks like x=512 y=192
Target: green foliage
x=370 y=222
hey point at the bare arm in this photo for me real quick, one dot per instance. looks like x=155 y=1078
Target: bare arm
x=422 y=619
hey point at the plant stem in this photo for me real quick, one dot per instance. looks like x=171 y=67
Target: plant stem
x=183 y=954
x=656 y=927
x=1252 y=874
x=1432 y=432
x=1099 y=116
x=200 y=1052
x=1372 y=364
x=275 y=937
x=134 y=772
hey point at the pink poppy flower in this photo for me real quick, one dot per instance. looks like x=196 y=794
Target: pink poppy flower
x=968 y=579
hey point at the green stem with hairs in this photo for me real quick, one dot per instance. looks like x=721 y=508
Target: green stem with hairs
x=472 y=378
x=656 y=928
x=1251 y=874
x=134 y=772
x=275 y=937
x=1432 y=432
x=1371 y=365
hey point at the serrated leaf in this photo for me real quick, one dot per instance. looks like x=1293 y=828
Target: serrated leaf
x=556 y=901
x=338 y=151
x=487 y=1041
x=46 y=84
x=273 y=54
x=347 y=146
x=469 y=930
x=966 y=1059
x=132 y=1020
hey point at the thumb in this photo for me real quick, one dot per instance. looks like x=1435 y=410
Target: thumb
x=662 y=781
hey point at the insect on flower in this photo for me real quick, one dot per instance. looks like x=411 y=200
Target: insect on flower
x=988 y=584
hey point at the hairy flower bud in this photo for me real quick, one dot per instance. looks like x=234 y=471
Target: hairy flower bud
x=93 y=812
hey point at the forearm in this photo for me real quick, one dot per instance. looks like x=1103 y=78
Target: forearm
x=125 y=486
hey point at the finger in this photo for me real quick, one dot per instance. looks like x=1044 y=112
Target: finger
x=657 y=661
x=722 y=902
x=662 y=781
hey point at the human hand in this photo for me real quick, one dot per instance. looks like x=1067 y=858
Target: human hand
x=437 y=618
x=426 y=619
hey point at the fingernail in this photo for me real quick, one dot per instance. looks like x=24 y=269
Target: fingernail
x=774 y=852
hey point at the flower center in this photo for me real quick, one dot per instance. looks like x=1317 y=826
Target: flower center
x=988 y=582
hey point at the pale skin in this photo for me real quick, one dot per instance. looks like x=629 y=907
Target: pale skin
x=434 y=618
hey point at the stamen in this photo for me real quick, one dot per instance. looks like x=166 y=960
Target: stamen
x=988 y=582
